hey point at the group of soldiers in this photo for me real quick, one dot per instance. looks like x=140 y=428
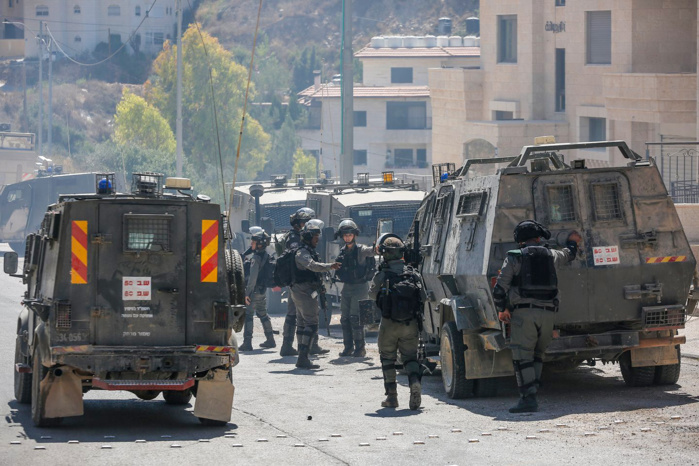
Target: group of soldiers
x=525 y=295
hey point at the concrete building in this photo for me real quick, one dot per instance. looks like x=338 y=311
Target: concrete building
x=392 y=110
x=580 y=70
x=78 y=26
x=18 y=157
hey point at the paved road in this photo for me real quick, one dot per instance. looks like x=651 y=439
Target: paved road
x=332 y=416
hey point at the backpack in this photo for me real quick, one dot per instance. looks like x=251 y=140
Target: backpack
x=285 y=267
x=537 y=277
x=401 y=300
x=268 y=278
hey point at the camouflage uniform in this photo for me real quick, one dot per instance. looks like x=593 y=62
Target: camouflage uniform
x=257 y=292
x=292 y=240
x=353 y=291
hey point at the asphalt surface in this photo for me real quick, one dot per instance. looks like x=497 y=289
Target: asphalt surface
x=283 y=415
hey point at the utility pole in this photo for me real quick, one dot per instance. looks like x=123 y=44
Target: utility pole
x=41 y=89
x=50 y=135
x=178 y=121
x=24 y=88
x=347 y=157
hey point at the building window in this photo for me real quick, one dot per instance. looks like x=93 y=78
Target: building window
x=359 y=118
x=138 y=10
x=315 y=114
x=507 y=39
x=421 y=158
x=401 y=75
x=597 y=129
x=599 y=37
x=113 y=10
x=403 y=157
x=360 y=157
x=499 y=115
x=158 y=39
x=42 y=10
x=77 y=39
x=560 y=80
x=76 y=10
x=10 y=3
x=560 y=2
x=406 y=115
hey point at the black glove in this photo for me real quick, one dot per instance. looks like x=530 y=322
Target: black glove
x=573 y=247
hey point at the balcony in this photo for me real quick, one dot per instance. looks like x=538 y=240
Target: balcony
x=651 y=97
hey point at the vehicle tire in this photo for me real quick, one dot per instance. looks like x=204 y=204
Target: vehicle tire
x=635 y=376
x=486 y=388
x=451 y=352
x=39 y=402
x=236 y=277
x=669 y=374
x=23 y=381
x=176 y=397
x=146 y=395
x=18 y=246
x=211 y=422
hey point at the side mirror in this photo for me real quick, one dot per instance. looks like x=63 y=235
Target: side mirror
x=10 y=263
x=267 y=224
x=245 y=226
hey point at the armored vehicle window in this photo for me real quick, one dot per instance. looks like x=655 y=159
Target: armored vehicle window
x=606 y=201
x=147 y=233
x=471 y=204
x=561 y=207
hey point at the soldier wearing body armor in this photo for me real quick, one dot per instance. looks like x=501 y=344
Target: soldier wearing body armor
x=257 y=273
x=397 y=289
x=357 y=269
x=305 y=289
x=526 y=297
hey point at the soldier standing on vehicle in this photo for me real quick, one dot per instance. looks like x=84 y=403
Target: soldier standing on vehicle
x=526 y=297
x=257 y=273
x=397 y=289
x=357 y=269
x=292 y=240
x=306 y=287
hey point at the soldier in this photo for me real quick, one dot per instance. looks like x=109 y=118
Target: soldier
x=526 y=296
x=257 y=269
x=305 y=289
x=357 y=262
x=397 y=289
x=292 y=240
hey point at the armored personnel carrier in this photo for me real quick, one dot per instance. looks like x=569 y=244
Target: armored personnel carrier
x=128 y=292
x=624 y=298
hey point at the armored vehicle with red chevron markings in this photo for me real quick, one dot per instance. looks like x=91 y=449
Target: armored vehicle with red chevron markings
x=129 y=292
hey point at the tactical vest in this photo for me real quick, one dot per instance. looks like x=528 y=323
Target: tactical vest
x=305 y=275
x=399 y=297
x=352 y=271
x=537 y=277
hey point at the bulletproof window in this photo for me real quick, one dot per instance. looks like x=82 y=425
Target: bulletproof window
x=471 y=204
x=606 y=201
x=561 y=204
x=146 y=232
x=237 y=200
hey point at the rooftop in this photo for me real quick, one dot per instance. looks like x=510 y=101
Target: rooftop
x=329 y=90
x=417 y=52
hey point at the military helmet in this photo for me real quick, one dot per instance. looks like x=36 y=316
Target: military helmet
x=304 y=214
x=347 y=226
x=260 y=235
x=312 y=228
x=391 y=247
x=530 y=229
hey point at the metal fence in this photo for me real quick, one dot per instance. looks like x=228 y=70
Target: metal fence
x=678 y=162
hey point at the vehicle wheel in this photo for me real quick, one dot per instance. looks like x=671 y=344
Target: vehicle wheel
x=236 y=277
x=39 y=402
x=486 y=388
x=175 y=397
x=18 y=247
x=146 y=395
x=669 y=374
x=635 y=376
x=211 y=422
x=451 y=353
x=23 y=381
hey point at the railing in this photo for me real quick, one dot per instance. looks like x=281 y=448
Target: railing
x=678 y=163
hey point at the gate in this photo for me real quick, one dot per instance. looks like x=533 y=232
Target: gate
x=678 y=162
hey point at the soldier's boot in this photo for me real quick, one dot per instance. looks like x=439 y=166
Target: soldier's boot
x=247 y=334
x=315 y=349
x=358 y=333
x=347 y=338
x=526 y=404
x=391 y=400
x=525 y=374
x=288 y=333
x=246 y=346
x=415 y=391
x=269 y=333
x=304 y=338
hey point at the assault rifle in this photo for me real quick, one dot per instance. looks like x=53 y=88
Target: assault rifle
x=412 y=255
x=323 y=300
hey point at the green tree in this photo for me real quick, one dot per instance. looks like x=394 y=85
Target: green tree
x=207 y=65
x=139 y=123
x=304 y=163
x=285 y=144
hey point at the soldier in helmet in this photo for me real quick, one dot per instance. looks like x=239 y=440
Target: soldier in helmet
x=306 y=287
x=397 y=289
x=257 y=273
x=292 y=240
x=526 y=297
x=357 y=269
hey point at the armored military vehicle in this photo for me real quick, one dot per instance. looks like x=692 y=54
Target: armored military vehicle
x=129 y=292
x=23 y=204
x=623 y=299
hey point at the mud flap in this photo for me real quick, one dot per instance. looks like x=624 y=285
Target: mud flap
x=658 y=356
x=63 y=393
x=215 y=396
x=484 y=363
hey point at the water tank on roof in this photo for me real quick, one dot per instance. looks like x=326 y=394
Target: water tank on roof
x=455 y=41
x=469 y=41
x=409 y=41
x=394 y=41
x=430 y=41
x=444 y=27
x=442 y=41
x=378 y=42
x=473 y=26
x=420 y=41
x=478 y=41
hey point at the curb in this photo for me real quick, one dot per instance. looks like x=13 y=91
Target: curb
x=690 y=356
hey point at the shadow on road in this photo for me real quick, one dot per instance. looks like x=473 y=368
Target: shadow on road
x=393 y=412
